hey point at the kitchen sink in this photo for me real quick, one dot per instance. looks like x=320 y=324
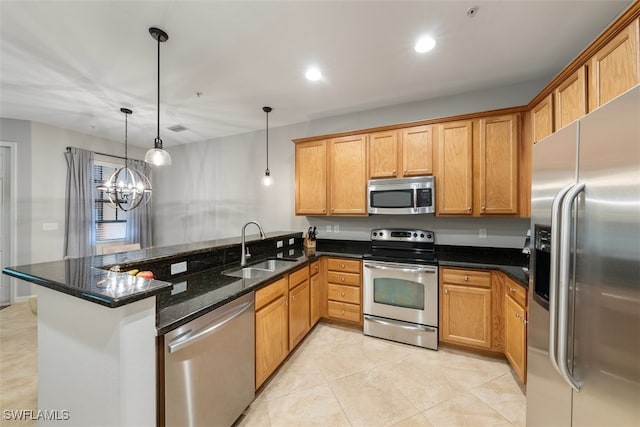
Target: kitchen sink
x=259 y=269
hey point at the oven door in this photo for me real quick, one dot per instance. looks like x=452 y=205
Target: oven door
x=406 y=292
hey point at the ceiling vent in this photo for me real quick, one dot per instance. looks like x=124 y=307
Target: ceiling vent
x=177 y=128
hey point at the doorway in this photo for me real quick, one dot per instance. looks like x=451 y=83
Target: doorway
x=7 y=219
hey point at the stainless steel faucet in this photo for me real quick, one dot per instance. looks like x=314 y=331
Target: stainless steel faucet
x=246 y=254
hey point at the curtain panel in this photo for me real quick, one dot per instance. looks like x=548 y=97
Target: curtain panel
x=138 y=229
x=80 y=236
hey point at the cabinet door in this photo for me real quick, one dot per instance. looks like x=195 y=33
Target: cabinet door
x=571 y=99
x=272 y=331
x=515 y=341
x=383 y=154
x=348 y=176
x=298 y=313
x=498 y=165
x=417 y=151
x=311 y=178
x=454 y=179
x=466 y=315
x=542 y=119
x=316 y=298
x=614 y=68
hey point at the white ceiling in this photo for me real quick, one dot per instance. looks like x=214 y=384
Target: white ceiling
x=73 y=64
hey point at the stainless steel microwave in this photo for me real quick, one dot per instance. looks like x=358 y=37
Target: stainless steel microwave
x=401 y=196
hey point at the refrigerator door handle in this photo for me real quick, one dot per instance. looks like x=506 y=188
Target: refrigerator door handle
x=554 y=256
x=563 y=286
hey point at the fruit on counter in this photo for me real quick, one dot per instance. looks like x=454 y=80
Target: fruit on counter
x=145 y=274
x=133 y=272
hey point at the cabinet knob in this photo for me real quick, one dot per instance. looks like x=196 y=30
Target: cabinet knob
x=466 y=278
x=484 y=208
x=393 y=172
x=324 y=210
x=517 y=315
x=331 y=209
x=341 y=265
x=511 y=290
x=341 y=294
x=446 y=291
x=405 y=171
x=469 y=208
x=342 y=279
x=341 y=311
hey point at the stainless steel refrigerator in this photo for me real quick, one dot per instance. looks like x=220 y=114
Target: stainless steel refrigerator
x=584 y=294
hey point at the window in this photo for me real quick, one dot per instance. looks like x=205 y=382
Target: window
x=111 y=223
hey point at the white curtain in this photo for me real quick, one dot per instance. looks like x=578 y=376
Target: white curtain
x=139 y=219
x=80 y=234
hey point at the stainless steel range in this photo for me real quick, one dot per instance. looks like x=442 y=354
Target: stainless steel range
x=400 y=296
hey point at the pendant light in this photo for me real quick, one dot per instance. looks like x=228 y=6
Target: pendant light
x=157 y=156
x=127 y=188
x=266 y=179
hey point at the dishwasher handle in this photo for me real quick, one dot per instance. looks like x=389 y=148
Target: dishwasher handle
x=192 y=336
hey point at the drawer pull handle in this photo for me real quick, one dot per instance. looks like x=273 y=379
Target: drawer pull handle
x=342 y=279
x=341 y=311
x=466 y=278
x=342 y=265
x=341 y=294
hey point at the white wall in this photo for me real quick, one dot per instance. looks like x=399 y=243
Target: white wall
x=213 y=187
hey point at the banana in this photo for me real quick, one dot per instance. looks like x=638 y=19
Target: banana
x=133 y=272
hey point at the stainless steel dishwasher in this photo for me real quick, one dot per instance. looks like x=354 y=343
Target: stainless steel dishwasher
x=209 y=366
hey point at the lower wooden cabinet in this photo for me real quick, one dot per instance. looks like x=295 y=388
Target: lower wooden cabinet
x=272 y=328
x=299 y=308
x=485 y=310
x=515 y=327
x=316 y=290
x=344 y=289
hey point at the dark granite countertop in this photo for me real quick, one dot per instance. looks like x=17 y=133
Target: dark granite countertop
x=89 y=278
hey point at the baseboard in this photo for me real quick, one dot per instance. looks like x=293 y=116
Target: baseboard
x=21 y=299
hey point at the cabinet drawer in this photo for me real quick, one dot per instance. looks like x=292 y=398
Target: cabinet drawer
x=314 y=268
x=298 y=277
x=517 y=292
x=348 y=265
x=270 y=292
x=466 y=277
x=344 y=311
x=343 y=278
x=349 y=294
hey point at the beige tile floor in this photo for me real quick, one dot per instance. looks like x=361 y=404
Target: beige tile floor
x=18 y=362
x=339 y=377
x=336 y=377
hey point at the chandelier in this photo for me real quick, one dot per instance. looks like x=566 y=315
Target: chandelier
x=127 y=188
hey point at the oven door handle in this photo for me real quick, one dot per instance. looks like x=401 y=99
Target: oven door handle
x=399 y=324
x=404 y=270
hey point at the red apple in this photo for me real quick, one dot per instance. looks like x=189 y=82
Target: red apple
x=145 y=274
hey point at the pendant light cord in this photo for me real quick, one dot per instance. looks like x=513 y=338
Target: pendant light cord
x=158 y=122
x=126 y=132
x=267 y=140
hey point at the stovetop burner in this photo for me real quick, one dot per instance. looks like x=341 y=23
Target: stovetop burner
x=402 y=245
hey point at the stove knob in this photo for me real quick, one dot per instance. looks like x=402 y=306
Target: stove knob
x=375 y=234
x=428 y=236
x=422 y=235
x=381 y=234
x=415 y=234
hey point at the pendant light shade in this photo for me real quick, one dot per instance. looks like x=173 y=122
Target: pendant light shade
x=157 y=156
x=267 y=180
x=127 y=188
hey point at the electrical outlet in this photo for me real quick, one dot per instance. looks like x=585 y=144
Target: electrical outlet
x=329 y=228
x=292 y=241
x=482 y=233
x=179 y=267
x=291 y=252
x=336 y=228
x=178 y=287
x=279 y=255
x=279 y=244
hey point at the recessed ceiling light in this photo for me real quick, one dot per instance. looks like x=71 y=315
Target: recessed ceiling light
x=424 y=44
x=313 y=74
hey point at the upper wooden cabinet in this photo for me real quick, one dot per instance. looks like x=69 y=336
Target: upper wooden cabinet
x=401 y=153
x=348 y=175
x=542 y=119
x=311 y=178
x=571 y=99
x=477 y=170
x=614 y=68
x=454 y=178
x=497 y=164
